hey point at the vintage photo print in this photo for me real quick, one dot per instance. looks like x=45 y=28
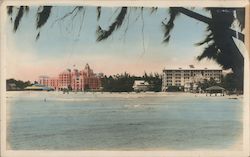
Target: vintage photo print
x=124 y=78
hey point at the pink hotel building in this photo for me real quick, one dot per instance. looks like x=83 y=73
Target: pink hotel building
x=77 y=80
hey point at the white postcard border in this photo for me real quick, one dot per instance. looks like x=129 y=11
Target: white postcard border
x=146 y=3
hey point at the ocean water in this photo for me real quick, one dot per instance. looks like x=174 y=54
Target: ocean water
x=122 y=121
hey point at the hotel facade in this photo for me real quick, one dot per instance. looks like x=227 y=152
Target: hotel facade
x=188 y=78
x=77 y=80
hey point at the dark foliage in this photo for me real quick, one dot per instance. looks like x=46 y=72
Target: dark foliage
x=118 y=83
x=208 y=83
x=38 y=35
x=18 y=18
x=124 y=82
x=26 y=9
x=224 y=50
x=170 y=25
x=99 y=9
x=219 y=42
x=154 y=80
x=240 y=12
x=20 y=85
x=104 y=34
x=207 y=39
x=230 y=82
x=9 y=10
x=210 y=52
x=43 y=16
x=153 y=10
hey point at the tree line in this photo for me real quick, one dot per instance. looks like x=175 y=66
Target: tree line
x=124 y=82
x=12 y=84
x=230 y=82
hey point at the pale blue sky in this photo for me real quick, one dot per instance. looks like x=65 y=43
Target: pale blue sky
x=61 y=45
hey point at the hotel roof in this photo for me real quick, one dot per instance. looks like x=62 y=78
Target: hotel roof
x=190 y=67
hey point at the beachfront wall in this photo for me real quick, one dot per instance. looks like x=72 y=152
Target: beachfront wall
x=75 y=80
x=188 y=78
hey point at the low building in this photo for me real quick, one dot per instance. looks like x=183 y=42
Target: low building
x=188 y=78
x=215 y=90
x=141 y=85
x=38 y=87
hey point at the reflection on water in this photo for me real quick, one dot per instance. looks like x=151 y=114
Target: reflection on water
x=148 y=121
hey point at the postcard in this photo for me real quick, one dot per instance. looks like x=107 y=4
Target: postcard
x=125 y=78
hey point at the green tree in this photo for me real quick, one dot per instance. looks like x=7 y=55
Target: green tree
x=19 y=84
x=154 y=80
x=124 y=82
x=208 y=83
x=230 y=82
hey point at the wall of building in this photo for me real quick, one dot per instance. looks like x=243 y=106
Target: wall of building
x=186 y=77
x=74 y=79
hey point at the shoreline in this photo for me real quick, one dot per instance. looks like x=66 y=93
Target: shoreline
x=76 y=95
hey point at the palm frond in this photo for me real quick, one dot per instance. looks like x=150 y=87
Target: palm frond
x=240 y=13
x=153 y=10
x=9 y=10
x=208 y=39
x=43 y=16
x=104 y=34
x=98 y=9
x=210 y=52
x=170 y=24
x=26 y=8
x=18 y=18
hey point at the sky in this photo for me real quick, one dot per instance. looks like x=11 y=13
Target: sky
x=135 y=48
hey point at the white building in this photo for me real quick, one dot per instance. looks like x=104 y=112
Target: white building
x=189 y=77
x=140 y=85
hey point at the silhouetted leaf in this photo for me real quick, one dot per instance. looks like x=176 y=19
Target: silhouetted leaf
x=208 y=38
x=18 y=18
x=98 y=12
x=104 y=34
x=240 y=13
x=38 y=35
x=9 y=10
x=26 y=9
x=170 y=25
x=153 y=10
x=43 y=16
x=209 y=52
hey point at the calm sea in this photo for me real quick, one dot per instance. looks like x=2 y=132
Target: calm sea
x=122 y=121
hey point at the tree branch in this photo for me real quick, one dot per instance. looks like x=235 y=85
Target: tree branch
x=208 y=21
x=66 y=15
